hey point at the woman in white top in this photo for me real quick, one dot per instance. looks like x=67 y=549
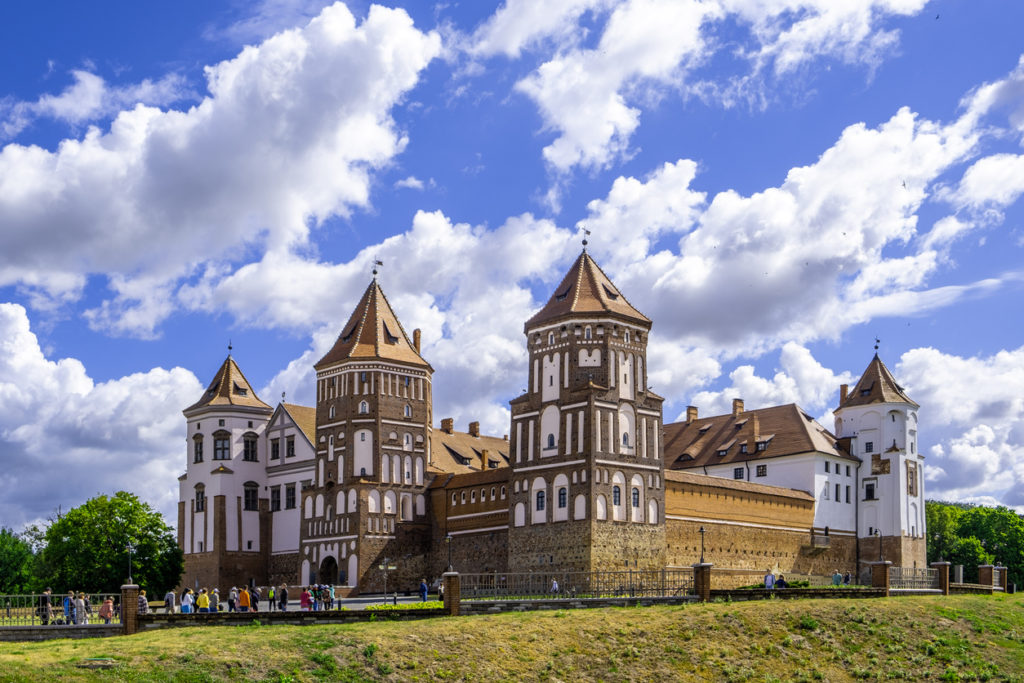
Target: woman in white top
x=186 y=602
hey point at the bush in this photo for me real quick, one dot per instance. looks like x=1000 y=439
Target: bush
x=433 y=604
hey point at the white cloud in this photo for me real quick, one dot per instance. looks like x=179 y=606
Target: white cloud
x=523 y=23
x=996 y=180
x=279 y=144
x=67 y=438
x=413 y=183
x=264 y=18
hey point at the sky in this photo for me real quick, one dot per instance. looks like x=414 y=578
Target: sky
x=775 y=183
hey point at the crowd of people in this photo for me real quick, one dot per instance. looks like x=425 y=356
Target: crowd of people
x=74 y=609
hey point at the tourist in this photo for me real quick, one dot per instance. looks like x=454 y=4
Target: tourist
x=243 y=600
x=781 y=582
x=254 y=599
x=423 y=590
x=45 y=607
x=80 y=617
x=837 y=578
x=233 y=599
x=187 y=600
x=334 y=601
x=69 y=608
x=282 y=597
x=270 y=598
x=203 y=601
x=143 y=602
x=304 y=602
x=107 y=610
x=769 y=580
x=169 y=601
x=847 y=579
x=554 y=585
x=215 y=600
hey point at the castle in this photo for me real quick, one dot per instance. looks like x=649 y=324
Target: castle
x=588 y=478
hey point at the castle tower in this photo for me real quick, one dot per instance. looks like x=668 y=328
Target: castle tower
x=878 y=422
x=373 y=414
x=587 y=491
x=223 y=523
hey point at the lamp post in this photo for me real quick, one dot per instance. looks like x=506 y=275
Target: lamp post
x=701 y=532
x=130 y=548
x=448 y=542
x=879 y=537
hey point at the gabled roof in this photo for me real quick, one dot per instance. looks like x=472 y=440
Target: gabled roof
x=229 y=387
x=460 y=452
x=373 y=331
x=585 y=289
x=784 y=430
x=876 y=385
x=304 y=418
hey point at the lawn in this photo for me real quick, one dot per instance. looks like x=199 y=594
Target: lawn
x=955 y=638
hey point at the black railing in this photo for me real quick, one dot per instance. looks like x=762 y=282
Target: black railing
x=553 y=585
x=32 y=609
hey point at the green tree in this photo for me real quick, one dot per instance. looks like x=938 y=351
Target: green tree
x=943 y=521
x=16 y=560
x=87 y=548
x=1001 y=532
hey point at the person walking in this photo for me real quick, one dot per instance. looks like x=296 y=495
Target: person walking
x=80 y=618
x=169 y=600
x=769 y=580
x=143 y=602
x=233 y=599
x=215 y=600
x=304 y=602
x=270 y=598
x=837 y=578
x=282 y=597
x=254 y=599
x=107 y=610
x=187 y=601
x=243 y=600
x=45 y=609
x=423 y=590
x=69 y=608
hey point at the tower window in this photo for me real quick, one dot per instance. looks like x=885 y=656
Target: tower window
x=869 y=492
x=330 y=412
x=625 y=438
x=563 y=498
x=551 y=441
x=250 y=499
x=407 y=410
x=221 y=446
x=249 y=445
x=540 y=501
x=616 y=495
x=364 y=407
x=869 y=446
x=197 y=448
x=551 y=337
x=636 y=497
x=587 y=333
x=200 y=498
x=625 y=336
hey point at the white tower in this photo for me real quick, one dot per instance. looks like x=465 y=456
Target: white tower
x=877 y=422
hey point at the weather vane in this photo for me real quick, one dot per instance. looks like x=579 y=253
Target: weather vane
x=877 y=342
x=585 y=233
x=376 y=262
x=282 y=397
x=229 y=347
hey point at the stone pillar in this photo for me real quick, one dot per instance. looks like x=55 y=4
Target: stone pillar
x=452 y=592
x=986 y=574
x=880 y=575
x=943 y=569
x=1004 y=575
x=958 y=573
x=129 y=609
x=702 y=580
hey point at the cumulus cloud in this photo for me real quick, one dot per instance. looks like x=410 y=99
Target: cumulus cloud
x=67 y=438
x=279 y=144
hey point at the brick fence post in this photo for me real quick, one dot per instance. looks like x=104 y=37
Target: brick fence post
x=880 y=575
x=986 y=575
x=129 y=609
x=452 y=592
x=1003 y=577
x=702 y=580
x=943 y=569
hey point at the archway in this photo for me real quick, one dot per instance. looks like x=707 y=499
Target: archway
x=329 y=570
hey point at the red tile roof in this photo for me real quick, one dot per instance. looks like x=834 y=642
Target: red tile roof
x=229 y=387
x=876 y=385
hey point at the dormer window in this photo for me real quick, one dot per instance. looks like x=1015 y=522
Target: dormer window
x=613 y=295
x=722 y=452
x=388 y=337
x=743 y=448
x=762 y=445
x=563 y=295
x=241 y=391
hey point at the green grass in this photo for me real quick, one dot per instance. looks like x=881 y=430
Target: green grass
x=959 y=638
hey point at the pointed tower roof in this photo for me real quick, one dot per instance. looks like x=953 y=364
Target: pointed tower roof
x=373 y=331
x=586 y=289
x=229 y=387
x=876 y=385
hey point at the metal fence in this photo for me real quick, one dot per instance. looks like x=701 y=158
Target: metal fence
x=34 y=610
x=913 y=578
x=553 y=585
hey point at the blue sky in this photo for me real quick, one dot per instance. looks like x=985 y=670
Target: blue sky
x=774 y=183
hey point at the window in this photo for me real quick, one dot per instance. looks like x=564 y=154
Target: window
x=249 y=448
x=472 y=496
x=838 y=499
x=551 y=337
x=330 y=413
x=248 y=545
x=275 y=449
x=364 y=407
x=722 y=452
x=743 y=449
x=636 y=497
x=911 y=446
x=865 y=392
x=408 y=410
x=362 y=376
x=221 y=446
x=762 y=470
x=625 y=439
x=220 y=423
x=197 y=448
x=847 y=494
x=869 y=492
x=250 y=497
x=540 y=501
x=200 y=546
x=762 y=445
x=847 y=470
x=737 y=473
x=869 y=446
x=587 y=333
x=625 y=336
x=563 y=497
x=290 y=447
x=200 y=498
x=827 y=467
x=616 y=495
x=250 y=424
x=551 y=441
x=275 y=499
x=289 y=497
x=406 y=381
x=455 y=500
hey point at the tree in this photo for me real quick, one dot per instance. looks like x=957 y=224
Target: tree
x=973 y=534
x=87 y=548
x=15 y=562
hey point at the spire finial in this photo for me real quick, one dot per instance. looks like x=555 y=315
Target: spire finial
x=229 y=347
x=585 y=233
x=877 y=342
x=282 y=397
x=376 y=262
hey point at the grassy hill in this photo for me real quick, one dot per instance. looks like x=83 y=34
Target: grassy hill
x=955 y=638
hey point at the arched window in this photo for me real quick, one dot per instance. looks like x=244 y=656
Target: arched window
x=587 y=334
x=407 y=442
x=540 y=501
x=364 y=407
x=616 y=495
x=636 y=497
x=455 y=499
x=551 y=441
x=221 y=446
x=503 y=493
x=408 y=410
x=200 y=498
x=250 y=498
x=197 y=448
x=472 y=496
x=626 y=336
x=625 y=438
x=563 y=497
x=330 y=412
x=250 y=442
x=551 y=337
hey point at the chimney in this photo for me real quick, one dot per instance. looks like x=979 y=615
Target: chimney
x=844 y=389
x=505 y=437
x=757 y=428
x=737 y=406
x=691 y=414
x=447 y=424
x=416 y=339
x=474 y=429
x=483 y=459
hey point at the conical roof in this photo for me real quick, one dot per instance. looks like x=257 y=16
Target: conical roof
x=373 y=331
x=876 y=385
x=586 y=289
x=229 y=387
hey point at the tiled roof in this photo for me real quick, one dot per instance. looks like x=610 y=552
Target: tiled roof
x=455 y=481
x=373 y=331
x=784 y=430
x=586 y=289
x=459 y=452
x=229 y=387
x=734 y=485
x=304 y=417
x=876 y=385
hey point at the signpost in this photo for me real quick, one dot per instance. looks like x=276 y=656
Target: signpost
x=386 y=567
